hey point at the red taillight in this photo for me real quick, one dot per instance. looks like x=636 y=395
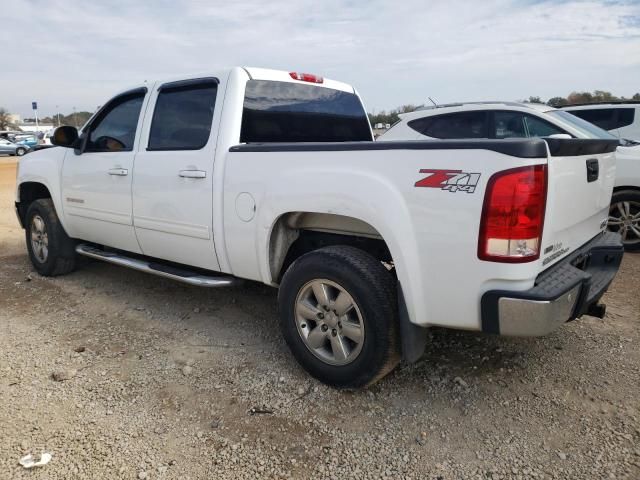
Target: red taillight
x=306 y=77
x=513 y=215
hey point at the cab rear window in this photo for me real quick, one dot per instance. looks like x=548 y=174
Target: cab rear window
x=289 y=112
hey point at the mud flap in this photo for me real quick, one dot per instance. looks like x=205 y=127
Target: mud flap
x=413 y=339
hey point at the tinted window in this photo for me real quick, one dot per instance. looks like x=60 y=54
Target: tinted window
x=625 y=117
x=602 y=117
x=183 y=115
x=509 y=125
x=114 y=129
x=536 y=127
x=588 y=130
x=289 y=112
x=452 y=125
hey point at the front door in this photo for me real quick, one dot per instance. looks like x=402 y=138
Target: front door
x=97 y=177
x=172 y=183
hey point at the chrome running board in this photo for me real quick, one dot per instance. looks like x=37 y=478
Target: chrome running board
x=156 y=268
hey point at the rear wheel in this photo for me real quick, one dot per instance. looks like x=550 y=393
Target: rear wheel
x=21 y=151
x=338 y=314
x=624 y=218
x=51 y=251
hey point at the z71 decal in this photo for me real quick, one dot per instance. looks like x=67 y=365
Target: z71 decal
x=451 y=180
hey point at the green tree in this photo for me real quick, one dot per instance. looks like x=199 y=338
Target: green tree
x=557 y=101
x=391 y=117
x=534 y=100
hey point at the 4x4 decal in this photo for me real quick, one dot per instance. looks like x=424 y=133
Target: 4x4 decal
x=451 y=180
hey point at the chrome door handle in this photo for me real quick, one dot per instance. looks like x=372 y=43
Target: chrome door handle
x=121 y=172
x=193 y=174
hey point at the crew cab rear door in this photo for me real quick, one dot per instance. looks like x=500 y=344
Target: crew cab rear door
x=173 y=174
x=581 y=180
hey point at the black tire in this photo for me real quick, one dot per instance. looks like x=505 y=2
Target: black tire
x=20 y=151
x=60 y=255
x=372 y=288
x=620 y=202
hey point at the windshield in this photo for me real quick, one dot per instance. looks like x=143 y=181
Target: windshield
x=586 y=129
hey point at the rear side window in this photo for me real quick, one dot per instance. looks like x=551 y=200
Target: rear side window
x=290 y=112
x=452 y=125
x=625 y=117
x=604 y=118
x=183 y=115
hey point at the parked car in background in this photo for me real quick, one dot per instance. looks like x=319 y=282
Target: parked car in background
x=621 y=119
x=27 y=141
x=10 y=148
x=624 y=215
x=525 y=120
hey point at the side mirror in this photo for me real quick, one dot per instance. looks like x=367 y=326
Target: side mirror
x=65 y=136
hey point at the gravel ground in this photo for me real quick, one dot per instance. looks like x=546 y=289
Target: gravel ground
x=160 y=380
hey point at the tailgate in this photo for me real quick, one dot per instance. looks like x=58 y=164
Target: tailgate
x=580 y=184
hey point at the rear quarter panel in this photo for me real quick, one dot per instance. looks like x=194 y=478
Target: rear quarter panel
x=432 y=233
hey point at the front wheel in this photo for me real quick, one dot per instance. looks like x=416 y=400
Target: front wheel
x=338 y=315
x=51 y=251
x=20 y=151
x=624 y=218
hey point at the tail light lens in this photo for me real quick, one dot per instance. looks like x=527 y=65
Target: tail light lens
x=513 y=215
x=306 y=77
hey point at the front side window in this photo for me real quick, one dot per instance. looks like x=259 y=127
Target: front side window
x=290 y=112
x=453 y=125
x=183 y=115
x=114 y=129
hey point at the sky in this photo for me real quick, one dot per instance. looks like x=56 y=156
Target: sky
x=78 y=54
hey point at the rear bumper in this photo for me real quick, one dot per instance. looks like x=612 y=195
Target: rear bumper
x=565 y=291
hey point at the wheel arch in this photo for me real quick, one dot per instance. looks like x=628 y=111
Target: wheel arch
x=295 y=233
x=27 y=193
x=632 y=188
x=390 y=241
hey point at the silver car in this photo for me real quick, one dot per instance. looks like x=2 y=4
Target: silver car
x=7 y=147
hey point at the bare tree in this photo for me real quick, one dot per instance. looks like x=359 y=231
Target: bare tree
x=5 y=120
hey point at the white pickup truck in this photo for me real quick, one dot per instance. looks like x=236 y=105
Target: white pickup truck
x=273 y=177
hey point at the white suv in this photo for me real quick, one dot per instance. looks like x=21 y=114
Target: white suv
x=501 y=120
x=621 y=119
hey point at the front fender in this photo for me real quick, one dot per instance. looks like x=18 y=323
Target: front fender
x=44 y=167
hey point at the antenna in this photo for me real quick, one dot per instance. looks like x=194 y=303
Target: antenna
x=432 y=101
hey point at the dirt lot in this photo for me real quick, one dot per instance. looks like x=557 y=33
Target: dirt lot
x=164 y=378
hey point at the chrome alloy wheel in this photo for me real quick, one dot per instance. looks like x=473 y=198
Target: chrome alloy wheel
x=39 y=239
x=624 y=218
x=329 y=322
